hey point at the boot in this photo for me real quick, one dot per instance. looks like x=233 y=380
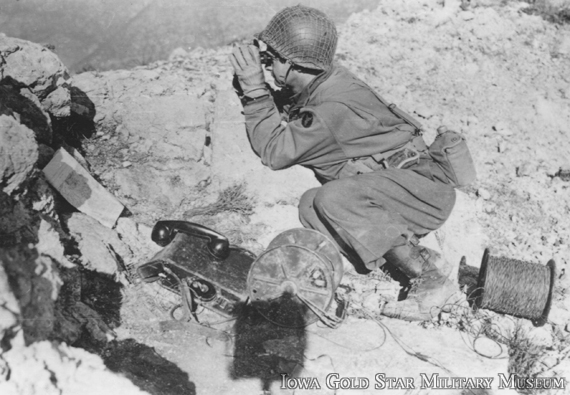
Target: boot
x=408 y=259
x=431 y=286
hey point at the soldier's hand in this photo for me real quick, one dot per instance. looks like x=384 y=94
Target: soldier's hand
x=247 y=67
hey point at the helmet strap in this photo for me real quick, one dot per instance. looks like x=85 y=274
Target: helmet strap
x=287 y=73
x=284 y=83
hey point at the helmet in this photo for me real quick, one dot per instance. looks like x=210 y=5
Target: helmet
x=303 y=35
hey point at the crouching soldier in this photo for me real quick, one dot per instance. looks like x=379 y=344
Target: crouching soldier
x=381 y=189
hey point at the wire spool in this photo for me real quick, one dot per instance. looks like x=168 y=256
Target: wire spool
x=518 y=288
x=293 y=282
x=315 y=241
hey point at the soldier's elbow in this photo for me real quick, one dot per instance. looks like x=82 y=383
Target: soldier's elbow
x=277 y=163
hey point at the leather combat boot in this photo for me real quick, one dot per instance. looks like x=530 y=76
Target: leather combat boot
x=431 y=287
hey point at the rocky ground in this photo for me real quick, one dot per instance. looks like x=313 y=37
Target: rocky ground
x=168 y=141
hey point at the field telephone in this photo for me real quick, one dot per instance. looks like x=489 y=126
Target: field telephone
x=292 y=282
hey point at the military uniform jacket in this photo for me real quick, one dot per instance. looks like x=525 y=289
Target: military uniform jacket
x=337 y=117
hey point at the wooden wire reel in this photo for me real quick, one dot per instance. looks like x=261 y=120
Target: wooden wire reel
x=519 y=288
x=294 y=281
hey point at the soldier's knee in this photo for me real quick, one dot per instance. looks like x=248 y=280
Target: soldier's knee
x=306 y=209
x=332 y=196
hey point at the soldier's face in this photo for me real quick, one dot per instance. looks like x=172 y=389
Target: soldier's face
x=279 y=70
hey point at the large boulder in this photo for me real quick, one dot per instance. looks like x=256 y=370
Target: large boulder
x=18 y=153
x=101 y=248
x=36 y=67
x=26 y=108
x=42 y=292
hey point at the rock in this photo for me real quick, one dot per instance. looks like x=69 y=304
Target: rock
x=137 y=238
x=9 y=309
x=36 y=67
x=156 y=189
x=42 y=199
x=525 y=169
x=472 y=120
x=50 y=245
x=490 y=208
x=45 y=154
x=502 y=128
x=81 y=105
x=101 y=248
x=178 y=53
x=566 y=304
x=505 y=132
x=372 y=303
x=61 y=369
x=501 y=125
x=564 y=173
x=563 y=46
x=467 y=15
x=58 y=102
x=35 y=283
x=80 y=189
x=28 y=111
x=502 y=146
x=424 y=111
x=18 y=153
x=16 y=221
x=542 y=336
x=483 y=194
x=550 y=360
x=559 y=316
x=32 y=65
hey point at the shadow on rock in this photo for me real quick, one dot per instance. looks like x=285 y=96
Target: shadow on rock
x=147 y=369
x=79 y=125
x=87 y=309
x=266 y=350
x=20 y=263
x=94 y=300
x=30 y=113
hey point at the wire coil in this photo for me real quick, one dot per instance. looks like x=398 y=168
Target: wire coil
x=518 y=288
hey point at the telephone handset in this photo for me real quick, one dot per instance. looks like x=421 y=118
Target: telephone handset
x=164 y=232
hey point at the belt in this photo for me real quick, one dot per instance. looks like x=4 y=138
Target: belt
x=399 y=158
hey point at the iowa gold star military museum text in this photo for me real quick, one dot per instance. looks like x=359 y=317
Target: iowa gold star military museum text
x=433 y=381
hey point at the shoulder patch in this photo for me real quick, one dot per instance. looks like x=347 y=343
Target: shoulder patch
x=307 y=119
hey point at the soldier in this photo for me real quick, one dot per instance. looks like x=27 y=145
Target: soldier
x=381 y=189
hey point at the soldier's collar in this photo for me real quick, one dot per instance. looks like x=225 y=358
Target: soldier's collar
x=301 y=98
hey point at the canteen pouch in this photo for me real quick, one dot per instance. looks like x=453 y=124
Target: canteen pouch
x=449 y=150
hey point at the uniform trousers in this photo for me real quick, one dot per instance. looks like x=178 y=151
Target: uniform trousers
x=370 y=213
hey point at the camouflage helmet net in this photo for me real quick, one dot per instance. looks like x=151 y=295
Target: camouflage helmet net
x=303 y=35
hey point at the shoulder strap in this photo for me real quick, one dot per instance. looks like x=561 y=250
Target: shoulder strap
x=401 y=114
